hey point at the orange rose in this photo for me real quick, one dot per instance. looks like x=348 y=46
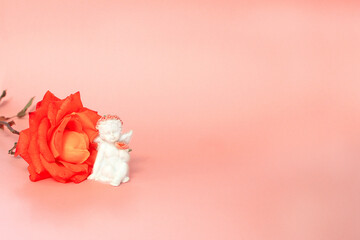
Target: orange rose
x=59 y=140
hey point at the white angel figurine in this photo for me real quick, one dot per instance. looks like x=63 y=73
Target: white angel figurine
x=111 y=163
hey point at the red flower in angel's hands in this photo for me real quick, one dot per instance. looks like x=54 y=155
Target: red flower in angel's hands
x=59 y=140
x=121 y=145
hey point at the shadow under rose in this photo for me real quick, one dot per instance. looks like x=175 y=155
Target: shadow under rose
x=48 y=200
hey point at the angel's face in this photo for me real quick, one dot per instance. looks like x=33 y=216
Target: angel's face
x=110 y=131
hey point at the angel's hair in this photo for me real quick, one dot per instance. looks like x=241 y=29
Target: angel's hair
x=108 y=118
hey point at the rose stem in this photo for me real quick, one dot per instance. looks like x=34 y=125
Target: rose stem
x=11 y=151
x=9 y=127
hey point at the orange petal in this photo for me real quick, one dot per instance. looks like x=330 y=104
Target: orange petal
x=34 y=176
x=78 y=178
x=48 y=97
x=53 y=108
x=75 y=147
x=56 y=141
x=42 y=140
x=88 y=119
x=34 y=153
x=71 y=104
x=57 y=170
x=78 y=168
x=74 y=124
x=23 y=143
x=93 y=152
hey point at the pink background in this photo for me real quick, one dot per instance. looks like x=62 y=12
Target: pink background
x=246 y=117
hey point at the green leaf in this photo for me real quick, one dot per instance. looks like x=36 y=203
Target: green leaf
x=3 y=94
x=22 y=113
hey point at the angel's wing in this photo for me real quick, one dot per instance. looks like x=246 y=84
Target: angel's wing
x=126 y=137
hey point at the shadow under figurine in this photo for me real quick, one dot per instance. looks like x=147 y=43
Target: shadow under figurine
x=111 y=164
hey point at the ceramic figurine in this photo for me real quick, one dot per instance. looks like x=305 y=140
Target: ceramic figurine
x=111 y=164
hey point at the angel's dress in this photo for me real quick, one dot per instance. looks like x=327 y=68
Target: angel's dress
x=114 y=168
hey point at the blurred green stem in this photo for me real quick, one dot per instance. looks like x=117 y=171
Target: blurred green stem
x=9 y=127
x=12 y=150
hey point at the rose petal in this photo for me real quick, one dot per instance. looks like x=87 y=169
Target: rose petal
x=88 y=119
x=75 y=147
x=23 y=143
x=48 y=97
x=56 y=141
x=71 y=104
x=43 y=142
x=28 y=145
x=34 y=176
x=74 y=124
x=57 y=170
x=78 y=168
x=93 y=152
x=78 y=178
x=70 y=122
x=33 y=148
x=53 y=108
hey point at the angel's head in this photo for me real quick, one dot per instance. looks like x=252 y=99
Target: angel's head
x=109 y=127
